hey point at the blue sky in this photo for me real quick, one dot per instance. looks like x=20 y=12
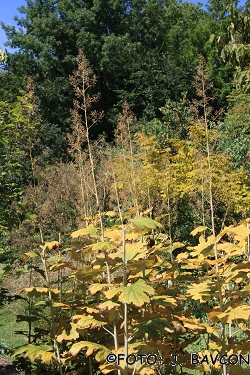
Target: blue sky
x=8 y=10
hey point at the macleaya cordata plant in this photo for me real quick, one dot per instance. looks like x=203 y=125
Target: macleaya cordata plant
x=114 y=292
x=124 y=167
x=84 y=118
x=203 y=102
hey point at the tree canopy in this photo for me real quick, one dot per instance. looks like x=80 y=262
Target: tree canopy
x=144 y=51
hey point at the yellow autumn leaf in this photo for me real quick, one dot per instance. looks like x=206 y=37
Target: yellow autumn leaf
x=91 y=348
x=88 y=231
x=36 y=291
x=112 y=292
x=111 y=213
x=133 y=210
x=204 y=247
x=210 y=329
x=108 y=305
x=34 y=352
x=146 y=370
x=241 y=231
x=103 y=246
x=87 y=321
x=200 y=229
x=113 y=234
x=192 y=324
x=238 y=313
x=231 y=249
x=134 y=234
x=201 y=291
x=60 y=266
x=51 y=245
x=182 y=256
x=61 y=305
x=237 y=370
x=94 y=288
x=164 y=301
x=145 y=223
x=28 y=255
x=133 y=249
x=69 y=333
x=213 y=346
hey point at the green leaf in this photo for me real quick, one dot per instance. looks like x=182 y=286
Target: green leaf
x=146 y=223
x=28 y=255
x=134 y=293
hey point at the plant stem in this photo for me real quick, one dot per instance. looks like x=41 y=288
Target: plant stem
x=125 y=304
x=56 y=346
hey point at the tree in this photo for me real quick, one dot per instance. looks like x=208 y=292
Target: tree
x=235 y=131
x=236 y=50
x=144 y=52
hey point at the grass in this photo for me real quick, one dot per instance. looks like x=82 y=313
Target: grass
x=8 y=325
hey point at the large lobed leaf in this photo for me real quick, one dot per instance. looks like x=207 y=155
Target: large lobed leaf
x=89 y=231
x=134 y=293
x=91 y=348
x=146 y=223
x=34 y=352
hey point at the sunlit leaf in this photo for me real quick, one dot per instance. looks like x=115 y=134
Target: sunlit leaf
x=111 y=213
x=87 y=321
x=69 y=333
x=34 y=352
x=89 y=231
x=51 y=245
x=200 y=229
x=36 y=291
x=108 y=305
x=28 y=255
x=113 y=234
x=164 y=301
x=61 y=305
x=96 y=287
x=201 y=291
x=238 y=313
x=60 y=266
x=134 y=293
x=91 y=348
x=205 y=247
x=145 y=223
x=133 y=249
x=237 y=370
x=103 y=246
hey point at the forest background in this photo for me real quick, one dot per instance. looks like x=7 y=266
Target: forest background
x=129 y=120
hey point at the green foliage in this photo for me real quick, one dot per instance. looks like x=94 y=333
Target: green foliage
x=117 y=269
x=236 y=50
x=84 y=314
x=144 y=52
x=235 y=131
